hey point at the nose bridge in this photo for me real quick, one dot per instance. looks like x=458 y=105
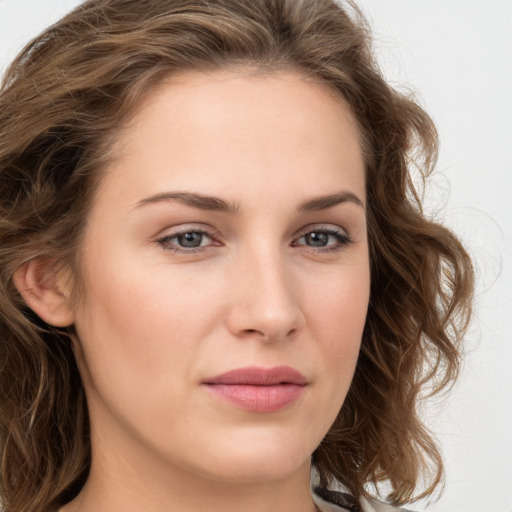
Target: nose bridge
x=265 y=301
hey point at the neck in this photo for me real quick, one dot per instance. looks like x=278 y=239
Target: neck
x=136 y=482
x=192 y=494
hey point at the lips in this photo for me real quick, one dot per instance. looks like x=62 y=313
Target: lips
x=258 y=389
x=256 y=376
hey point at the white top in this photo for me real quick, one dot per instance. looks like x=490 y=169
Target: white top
x=342 y=495
x=366 y=506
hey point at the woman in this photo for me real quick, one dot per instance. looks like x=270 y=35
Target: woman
x=216 y=274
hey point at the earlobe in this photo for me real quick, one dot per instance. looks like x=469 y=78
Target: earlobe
x=44 y=293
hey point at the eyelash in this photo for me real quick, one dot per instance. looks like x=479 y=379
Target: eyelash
x=342 y=238
x=164 y=241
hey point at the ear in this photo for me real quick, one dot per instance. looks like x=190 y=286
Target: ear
x=45 y=291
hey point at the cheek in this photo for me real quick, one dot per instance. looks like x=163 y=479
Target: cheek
x=337 y=315
x=340 y=306
x=138 y=330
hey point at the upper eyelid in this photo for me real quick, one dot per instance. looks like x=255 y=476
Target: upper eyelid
x=211 y=231
x=321 y=227
x=186 y=228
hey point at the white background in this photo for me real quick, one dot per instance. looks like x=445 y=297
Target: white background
x=457 y=56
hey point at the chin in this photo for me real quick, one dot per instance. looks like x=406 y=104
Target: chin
x=256 y=460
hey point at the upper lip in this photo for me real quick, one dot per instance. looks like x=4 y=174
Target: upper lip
x=259 y=376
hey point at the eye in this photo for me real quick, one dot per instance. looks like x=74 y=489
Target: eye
x=187 y=241
x=324 y=239
x=191 y=239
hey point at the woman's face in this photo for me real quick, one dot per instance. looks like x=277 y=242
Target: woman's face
x=230 y=235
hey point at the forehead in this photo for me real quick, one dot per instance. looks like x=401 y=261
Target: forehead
x=220 y=129
x=221 y=95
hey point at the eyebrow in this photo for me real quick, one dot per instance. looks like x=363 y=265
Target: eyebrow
x=324 y=202
x=211 y=203
x=199 y=201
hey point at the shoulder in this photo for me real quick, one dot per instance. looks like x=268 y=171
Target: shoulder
x=337 y=501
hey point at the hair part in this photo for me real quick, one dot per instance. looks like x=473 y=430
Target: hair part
x=63 y=102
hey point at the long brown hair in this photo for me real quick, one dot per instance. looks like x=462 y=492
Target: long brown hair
x=61 y=103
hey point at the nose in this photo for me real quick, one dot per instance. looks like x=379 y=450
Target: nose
x=265 y=298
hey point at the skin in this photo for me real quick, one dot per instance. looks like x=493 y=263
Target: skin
x=159 y=318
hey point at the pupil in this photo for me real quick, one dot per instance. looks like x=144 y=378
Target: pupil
x=317 y=239
x=192 y=239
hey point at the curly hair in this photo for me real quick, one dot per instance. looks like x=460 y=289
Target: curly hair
x=62 y=102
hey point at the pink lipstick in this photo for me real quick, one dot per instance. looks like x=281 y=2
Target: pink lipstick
x=258 y=389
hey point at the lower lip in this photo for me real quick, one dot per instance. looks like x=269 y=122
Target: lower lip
x=258 y=398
